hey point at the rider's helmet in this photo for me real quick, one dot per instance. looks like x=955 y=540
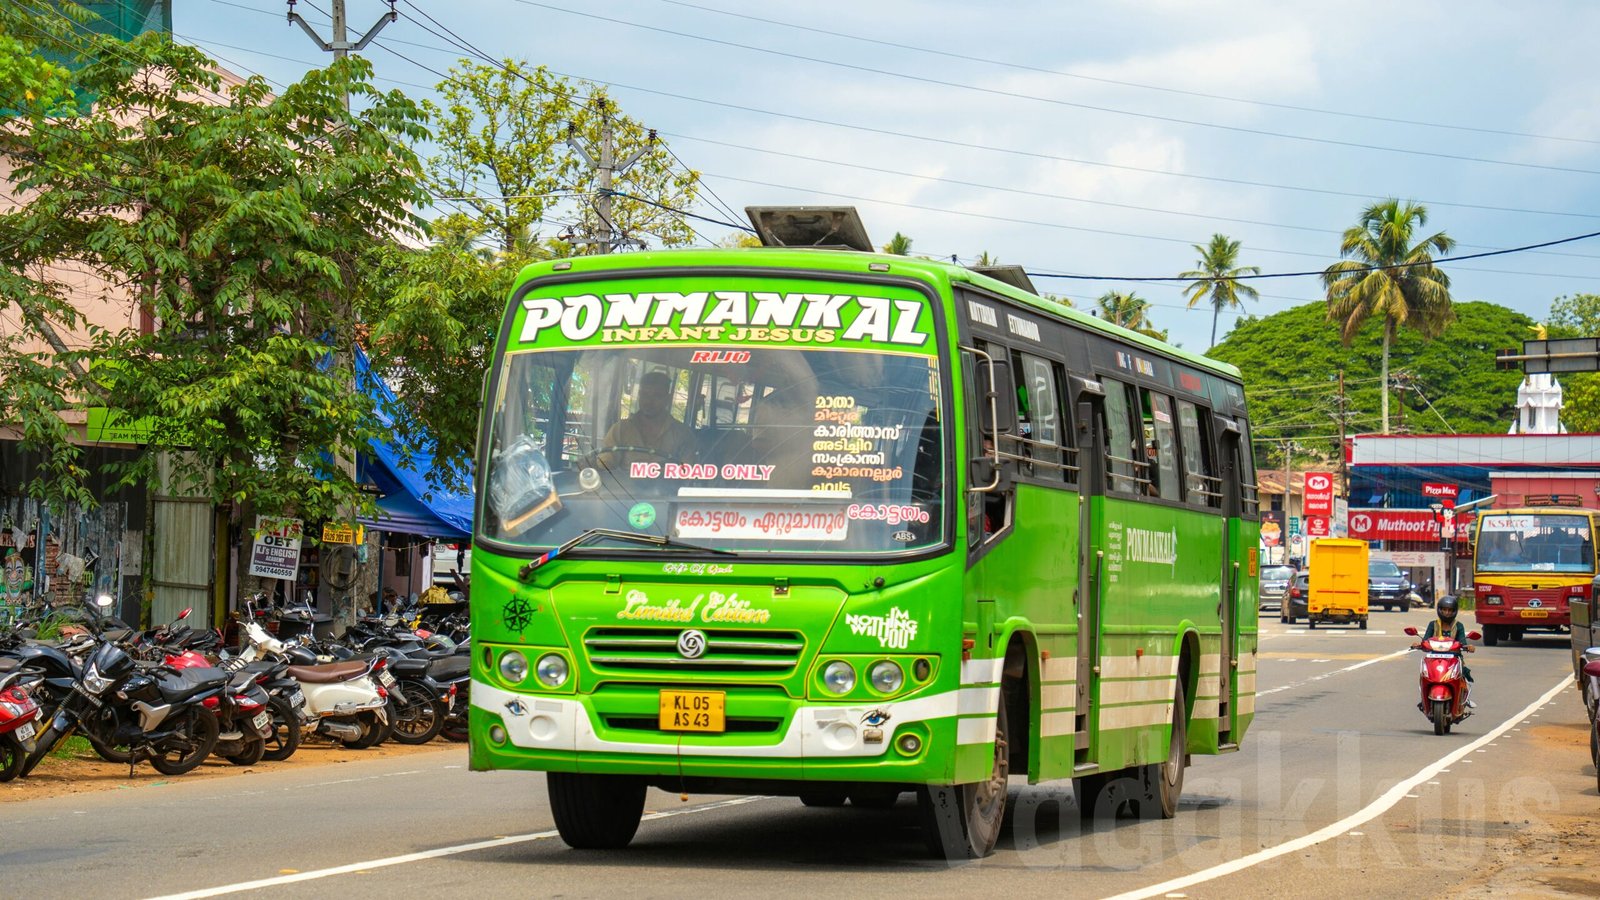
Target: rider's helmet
x=1447 y=610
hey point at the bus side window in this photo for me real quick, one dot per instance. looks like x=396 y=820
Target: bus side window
x=1161 y=437
x=1039 y=404
x=1126 y=460
x=1201 y=484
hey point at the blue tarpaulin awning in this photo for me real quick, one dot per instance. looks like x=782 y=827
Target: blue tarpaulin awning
x=408 y=503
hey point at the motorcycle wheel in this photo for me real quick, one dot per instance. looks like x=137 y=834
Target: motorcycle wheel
x=423 y=716
x=1441 y=716
x=11 y=757
x=285 y=736
x=109 y=753
x=371 y=732
x=193 y=744
x=454 y=731
x=251 y=754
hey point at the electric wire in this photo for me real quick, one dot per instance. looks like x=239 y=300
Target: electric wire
x=1129 y=84
x=1017 y=95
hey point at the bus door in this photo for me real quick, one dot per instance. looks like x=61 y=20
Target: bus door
x=1234 y=476
x=1089 y=397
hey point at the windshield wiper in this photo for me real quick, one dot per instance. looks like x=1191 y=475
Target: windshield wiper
x=594 y=534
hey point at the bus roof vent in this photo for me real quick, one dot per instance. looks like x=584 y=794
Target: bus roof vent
x=1016 y=276
x=816 y=227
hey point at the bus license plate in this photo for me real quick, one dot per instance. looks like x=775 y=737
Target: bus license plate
x=1536 y=613
x=694 y=711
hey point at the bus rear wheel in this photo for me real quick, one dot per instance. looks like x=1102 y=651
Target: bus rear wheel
x=1164 y=780
x=962 y=821
x=595 y=812
x=1491 y=635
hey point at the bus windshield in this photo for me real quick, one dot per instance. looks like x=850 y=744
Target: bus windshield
x=1535 y=543
x=752 y=450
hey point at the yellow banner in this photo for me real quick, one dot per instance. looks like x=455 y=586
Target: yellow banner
x=341 y=534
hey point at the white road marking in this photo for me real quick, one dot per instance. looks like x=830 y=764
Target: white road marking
x=423 y=855
x=1366 y=814
x=1362 y=664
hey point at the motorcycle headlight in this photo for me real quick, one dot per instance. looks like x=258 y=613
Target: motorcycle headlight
x=93 y=681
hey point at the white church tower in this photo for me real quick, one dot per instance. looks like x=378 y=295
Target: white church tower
x=1538 y=406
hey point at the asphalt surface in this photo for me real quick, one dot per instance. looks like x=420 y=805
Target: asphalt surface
x=1336 y=730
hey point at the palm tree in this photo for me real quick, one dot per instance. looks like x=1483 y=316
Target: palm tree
x=1129 y=310
x=1217 y=279
x=899 y=245
x=1385 y=274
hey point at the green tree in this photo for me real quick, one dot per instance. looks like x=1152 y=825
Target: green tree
x=1386 y=276
x=1217 y=279
x=899 y=245
x=1129 y=310
x=1578 y=316
x=1291 y=362
x=240 y=227
x=505 y=134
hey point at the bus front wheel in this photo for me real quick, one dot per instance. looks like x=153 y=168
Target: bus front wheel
x=962 y=821
x=595 y=812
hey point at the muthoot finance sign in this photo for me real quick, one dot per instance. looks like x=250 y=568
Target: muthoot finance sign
x=892 y=317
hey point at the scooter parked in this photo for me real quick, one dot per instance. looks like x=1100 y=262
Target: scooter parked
x=1443 y=681
x=18 y=712
x=345 y=701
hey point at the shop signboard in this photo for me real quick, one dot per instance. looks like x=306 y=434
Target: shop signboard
x=275 y=549
x=1317 y=497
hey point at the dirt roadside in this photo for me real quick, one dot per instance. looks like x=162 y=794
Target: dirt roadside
x=84 y=772
x=1553 y=852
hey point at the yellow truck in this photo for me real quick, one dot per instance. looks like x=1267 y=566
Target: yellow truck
x=1338 y=589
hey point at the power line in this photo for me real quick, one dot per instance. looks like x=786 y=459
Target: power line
x=1378 y=268
x=1053 y=101
x=1366 y=195
x=1105 y=231
x=1131 y=84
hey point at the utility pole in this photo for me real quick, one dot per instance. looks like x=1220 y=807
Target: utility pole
x=340 y=46
x=343 y=360
x=608 y=237
x=1344 y=465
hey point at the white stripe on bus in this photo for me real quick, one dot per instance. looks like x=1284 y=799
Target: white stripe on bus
x=1115 y=717
x=1058 y=696
x=1136 y=691
x=978 y=701
x=1060 y=668
x=981 y=671
x=1059 y=722
x=975 y=731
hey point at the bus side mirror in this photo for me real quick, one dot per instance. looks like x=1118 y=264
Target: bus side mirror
x=997 y=414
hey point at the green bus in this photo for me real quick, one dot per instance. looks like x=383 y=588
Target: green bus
x=841 y=526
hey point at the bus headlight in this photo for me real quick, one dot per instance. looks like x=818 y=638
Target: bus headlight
x=886 y=676
x=838 y=677
x=551 y=670
x=513 y=666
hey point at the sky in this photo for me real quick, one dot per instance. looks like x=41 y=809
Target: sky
x=1091 y=139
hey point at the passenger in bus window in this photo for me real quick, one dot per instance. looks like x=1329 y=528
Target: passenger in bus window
x=649 y=433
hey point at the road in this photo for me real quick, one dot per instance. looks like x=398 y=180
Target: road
x=1310 y=806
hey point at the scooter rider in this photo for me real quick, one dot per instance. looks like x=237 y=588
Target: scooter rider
x=1446 y=627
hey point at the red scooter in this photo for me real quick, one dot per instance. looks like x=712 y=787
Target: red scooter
x=1444 y=686
x=17 y=714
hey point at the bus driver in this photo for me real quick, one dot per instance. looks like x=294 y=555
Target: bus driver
x=649 y=433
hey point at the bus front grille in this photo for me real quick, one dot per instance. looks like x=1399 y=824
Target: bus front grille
x=726 y=650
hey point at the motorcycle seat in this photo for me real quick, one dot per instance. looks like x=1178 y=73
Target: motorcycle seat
x=189 y=682
x=405 y=666
x=450 y=668
x=328 y=673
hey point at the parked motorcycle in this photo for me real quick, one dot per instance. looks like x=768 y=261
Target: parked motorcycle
x=18 y=713
x=345 y=701
x=158 y=713
x=1591 y=694
x=1443 y=682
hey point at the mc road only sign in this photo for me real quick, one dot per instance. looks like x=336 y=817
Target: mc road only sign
x=275 y=552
